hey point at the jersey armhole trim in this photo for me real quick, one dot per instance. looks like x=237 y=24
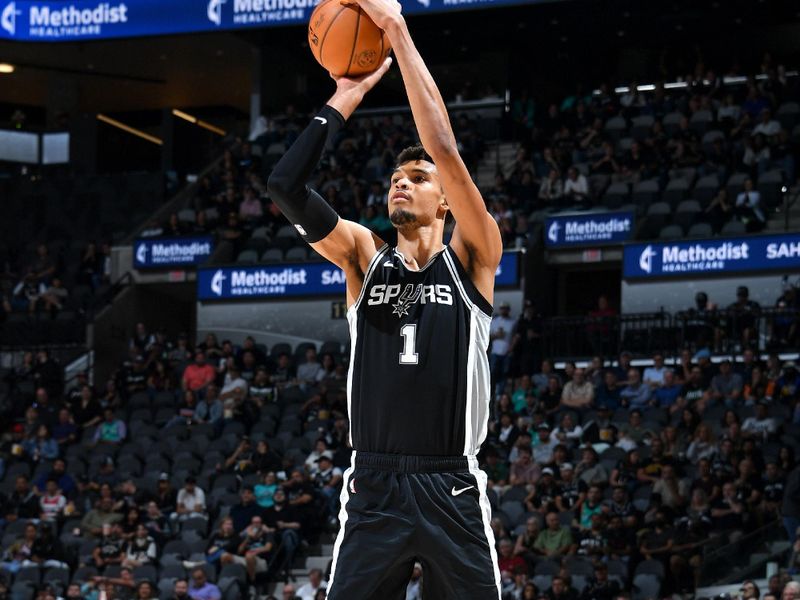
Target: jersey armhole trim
x=465 y=285
x=370 y=269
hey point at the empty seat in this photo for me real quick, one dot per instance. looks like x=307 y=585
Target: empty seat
x=769 y=186
x=186 y=215
x=672 y=122
x=701 y=120
x=787 y=114
x=247 y=257
x=646 y=192
x=735 y=184
x=273 y=255
x=706 y=188
x=670 y=232
x=297 y=254
x=733 y=227
x=616 y=195
x=700 y=230
x=615 y=127
x=687 y=213
x=641 y=126
x=676 y=191
x=646 y=587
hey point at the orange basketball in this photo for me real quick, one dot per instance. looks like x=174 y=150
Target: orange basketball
x=344 y=39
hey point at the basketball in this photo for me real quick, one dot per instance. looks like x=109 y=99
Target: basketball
x=344 y=39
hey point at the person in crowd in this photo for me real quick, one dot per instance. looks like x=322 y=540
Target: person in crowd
x=191 y=501
x=111 y=430
x=141 y=549
x=201 y=588
x=578 y=393
x=255 y=548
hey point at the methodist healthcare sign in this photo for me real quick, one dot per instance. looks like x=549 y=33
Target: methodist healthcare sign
x=154 y=253
x=588 y=229
x=304 y=279
x=43 y=21
x=724 y=255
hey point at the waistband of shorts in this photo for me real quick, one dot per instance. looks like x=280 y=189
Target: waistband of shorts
x=410 y=463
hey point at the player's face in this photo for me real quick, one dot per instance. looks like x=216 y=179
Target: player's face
x=416 y=197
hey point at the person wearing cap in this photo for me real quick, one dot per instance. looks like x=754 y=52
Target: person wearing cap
x=743 y=314
x=414 y=588
x=543 y=444
x=726 y=386
x=760 y=426
x=542 y=498
x=573 y=490
x=191 y=501
x=328 y=481
x=501 y=333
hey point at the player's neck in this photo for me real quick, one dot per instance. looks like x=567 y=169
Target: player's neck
x=418 y=246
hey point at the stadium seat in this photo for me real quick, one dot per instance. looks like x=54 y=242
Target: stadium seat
x=670 y=232
x=615 y=127
x=735 y=184
x=687 y=213
x=769 y=186
x=658 y=216
x=646 y=587
x=186 y=215
x=676 y=191
x=297 y=254
x=672 y=122
x=650 y=567
x=546 y=567
x=616 y=195
x=700 y=230
x=273 y=255
x=641 y=126
x=787 y=115
x=733 y=227
x=646 y=192
x=700 y=121
x=247 y=257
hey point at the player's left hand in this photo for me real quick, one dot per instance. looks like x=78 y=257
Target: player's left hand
x=383 y=13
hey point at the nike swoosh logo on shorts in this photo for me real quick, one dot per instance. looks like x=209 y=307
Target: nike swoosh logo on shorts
x=456 y=492
x=322 y=120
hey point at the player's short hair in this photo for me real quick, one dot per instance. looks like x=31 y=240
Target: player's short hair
x=413 y=153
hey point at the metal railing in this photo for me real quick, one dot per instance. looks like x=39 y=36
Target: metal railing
x=734 y=561
x=644 y=334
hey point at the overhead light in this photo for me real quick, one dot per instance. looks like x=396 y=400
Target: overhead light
x=7 y=68
x=194 y=120
x=127 y=128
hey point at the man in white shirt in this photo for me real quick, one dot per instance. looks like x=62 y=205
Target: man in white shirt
x=501 y=331
x=315 y=582
x=748 y=207
x=191 y=501
x=576 y=187
x=767 y=126
x=759 y=426
x=654 y=376
x=578 y=393
x=307 y=372
x=414 y=589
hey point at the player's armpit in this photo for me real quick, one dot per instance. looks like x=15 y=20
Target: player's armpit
x=350 y=246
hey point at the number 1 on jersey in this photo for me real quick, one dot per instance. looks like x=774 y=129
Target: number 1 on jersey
x=408 y=356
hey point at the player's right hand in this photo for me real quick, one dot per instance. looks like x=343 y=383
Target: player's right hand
x=361 y=85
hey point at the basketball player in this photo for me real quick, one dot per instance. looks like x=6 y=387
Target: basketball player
x=419 y=315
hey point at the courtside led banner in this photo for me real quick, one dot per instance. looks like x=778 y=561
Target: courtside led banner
x=300 y=279
x=723 y=255
x=588 y=229
x=157 y=253
x=54 y=21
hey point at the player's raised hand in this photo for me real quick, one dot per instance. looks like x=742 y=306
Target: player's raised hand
x=384 y=13
x=364 y=83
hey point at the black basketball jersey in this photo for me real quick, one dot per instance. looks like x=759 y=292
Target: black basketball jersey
x=419 y=374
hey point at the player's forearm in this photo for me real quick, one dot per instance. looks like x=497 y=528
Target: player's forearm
x=427 y=105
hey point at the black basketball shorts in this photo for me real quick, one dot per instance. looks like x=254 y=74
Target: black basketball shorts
x=397 y=510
